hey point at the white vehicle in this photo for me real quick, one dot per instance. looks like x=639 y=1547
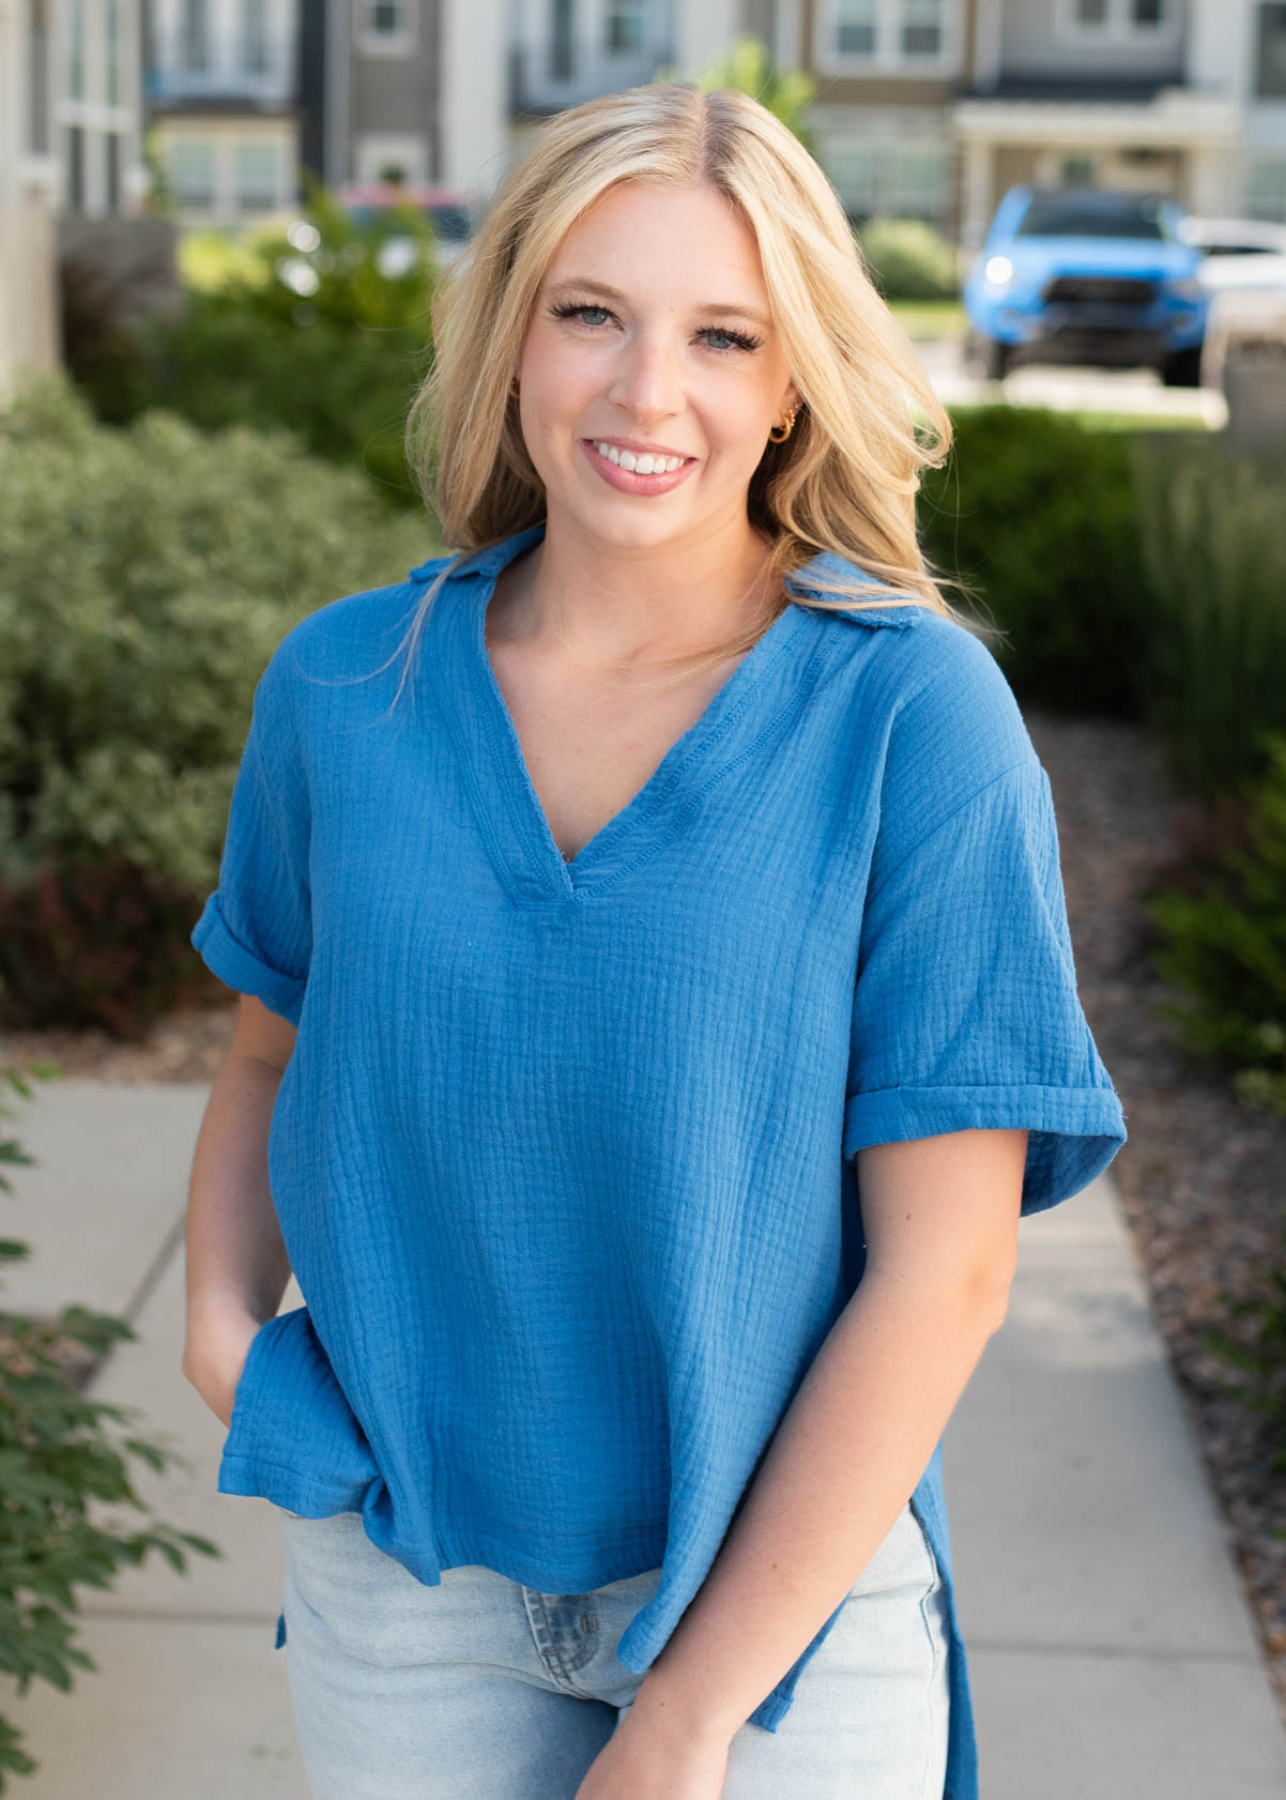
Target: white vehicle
x=1239 y=254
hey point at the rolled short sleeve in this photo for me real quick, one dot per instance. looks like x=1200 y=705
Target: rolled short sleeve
x=966 y=1013
x=255 y=932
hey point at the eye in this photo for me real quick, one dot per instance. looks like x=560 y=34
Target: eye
x=739 y=340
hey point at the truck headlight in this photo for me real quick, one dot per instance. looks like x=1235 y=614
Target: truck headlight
x=999 y=271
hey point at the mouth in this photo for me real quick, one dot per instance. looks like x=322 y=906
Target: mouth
x=658 y=475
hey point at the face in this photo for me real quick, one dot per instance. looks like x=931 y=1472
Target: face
x=651 y=332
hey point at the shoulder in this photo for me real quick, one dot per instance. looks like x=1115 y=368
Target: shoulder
x=931 y=720
x=347 y=636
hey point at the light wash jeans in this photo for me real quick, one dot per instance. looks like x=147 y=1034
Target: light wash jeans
x=484 y=1689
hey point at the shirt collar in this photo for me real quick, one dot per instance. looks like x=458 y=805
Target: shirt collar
x=826 y=565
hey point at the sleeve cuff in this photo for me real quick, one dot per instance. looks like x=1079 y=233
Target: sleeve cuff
x=1075 y=1132
x=241 y=969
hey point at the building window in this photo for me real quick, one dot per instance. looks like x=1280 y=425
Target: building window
x=254 y=37
x=874 y=177
x=626 y=27
x=38 y=76
x=258 y=177
x=382 y=27
x=1116 y=21
x=887 y=34
x=561 y=60
x=76 y=50
x=1270 y=53
x=1266 y=190
x=112 y=53
x=112 y=166
x=194 y=37
x=922 y=28
x=856 y=27
x=75 y=169
x=190 y=165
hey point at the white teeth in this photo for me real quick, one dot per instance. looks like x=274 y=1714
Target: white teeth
x=646 y=464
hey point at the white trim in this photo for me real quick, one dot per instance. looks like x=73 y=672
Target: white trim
x=887 y=58
x=374 y=150
x=1177 y=117
x=386 y=43
x=1119 y=27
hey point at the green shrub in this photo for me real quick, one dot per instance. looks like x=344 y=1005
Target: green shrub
x=146 y=576
x=1038 y=515
x=57 y=1458
x=909 y=259
x=324 y=342
x=1222 y=939
x=1210 y=521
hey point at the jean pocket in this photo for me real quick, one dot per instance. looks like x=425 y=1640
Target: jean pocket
x=933 y=1572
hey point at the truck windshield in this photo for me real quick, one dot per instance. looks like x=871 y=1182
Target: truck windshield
x=1059 y=215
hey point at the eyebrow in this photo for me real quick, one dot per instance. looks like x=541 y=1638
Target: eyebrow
x=584 y=284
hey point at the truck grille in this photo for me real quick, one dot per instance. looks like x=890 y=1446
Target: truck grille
x=1120 y=288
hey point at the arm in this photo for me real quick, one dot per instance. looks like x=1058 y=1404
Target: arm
x=237 y=1265
x=941 y=1219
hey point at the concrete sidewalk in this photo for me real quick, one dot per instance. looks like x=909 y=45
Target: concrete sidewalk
x=1111 y=1649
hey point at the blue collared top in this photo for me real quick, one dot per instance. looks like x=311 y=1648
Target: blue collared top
x=564 y=1155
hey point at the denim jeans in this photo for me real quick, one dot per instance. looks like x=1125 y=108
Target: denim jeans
x=484 y=1689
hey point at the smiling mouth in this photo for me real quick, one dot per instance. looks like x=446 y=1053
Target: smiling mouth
x=639 y=462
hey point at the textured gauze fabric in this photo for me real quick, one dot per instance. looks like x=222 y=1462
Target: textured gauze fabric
x=564 y=1155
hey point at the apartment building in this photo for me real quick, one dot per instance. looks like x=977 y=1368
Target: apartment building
x=448 y=93
x=411 y=90
x=70 y=136
x=935 y=107
x=221 y=88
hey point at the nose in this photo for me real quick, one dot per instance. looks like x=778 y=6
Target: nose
x=649 y=379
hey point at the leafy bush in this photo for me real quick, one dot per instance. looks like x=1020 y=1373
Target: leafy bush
x=1210 y=521
x=1038 y=513
x=327 y=336
x=1223 y=940
x=146 y=576
x=909 y=259
x=56 y=1458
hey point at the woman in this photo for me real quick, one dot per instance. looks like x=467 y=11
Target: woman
x=685 y=1017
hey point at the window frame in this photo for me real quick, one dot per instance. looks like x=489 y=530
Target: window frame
x=1119 y=27
x=1258 y=93
x=888 y=58
x=386 y=43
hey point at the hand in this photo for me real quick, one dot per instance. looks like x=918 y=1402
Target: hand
x=645 y=1759
x=214 y=1357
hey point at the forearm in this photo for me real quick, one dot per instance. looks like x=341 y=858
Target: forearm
x=237 y=1262
x=841 y=1466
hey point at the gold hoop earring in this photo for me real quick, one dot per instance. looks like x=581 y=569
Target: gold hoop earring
x=786 y=428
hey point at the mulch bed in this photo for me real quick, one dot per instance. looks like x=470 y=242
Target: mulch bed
x=1202 y=1179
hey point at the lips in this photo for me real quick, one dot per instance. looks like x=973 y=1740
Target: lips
x=629 y=481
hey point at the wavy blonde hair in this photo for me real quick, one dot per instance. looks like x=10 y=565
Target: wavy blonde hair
x=846 y=478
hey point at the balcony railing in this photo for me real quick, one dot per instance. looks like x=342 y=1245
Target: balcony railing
x=223 y=67
x=548 y=77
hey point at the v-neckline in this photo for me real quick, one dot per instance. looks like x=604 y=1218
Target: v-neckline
x=504 y=795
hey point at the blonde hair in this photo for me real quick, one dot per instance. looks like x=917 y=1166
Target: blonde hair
x=846 y=478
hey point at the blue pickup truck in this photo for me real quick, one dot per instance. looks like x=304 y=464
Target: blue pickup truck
x=1087 y=275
